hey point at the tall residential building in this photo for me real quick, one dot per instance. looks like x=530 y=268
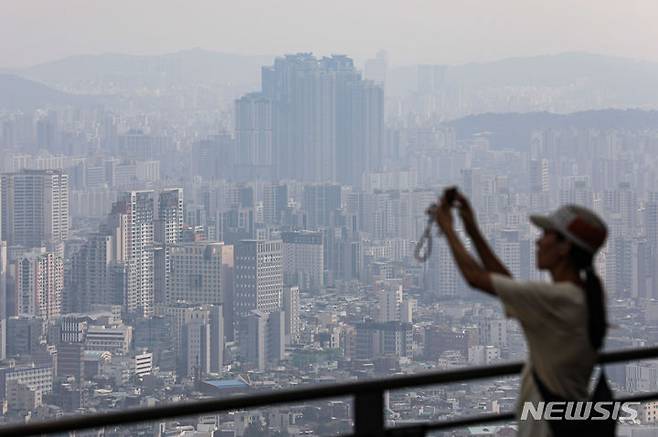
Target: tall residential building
x=392 y=304
x=472 y=181
x=228 y=290
x=303 y=259
x=442 y=276
x=275 y=202
x=431 y=79
x=253 y=129
x=311 y=118
x=651 y=220
x=136 y=145
x=35 y=208
x=539 y=175
x=39 y=277
x=213 y=157
x=622 y=202
x=139 y=207
x=319 y=202
x=98 y=272
x=376 y=69
x=88 y=280
x=360 y=131
x=258 y=277
x=167 y=231
x=303 y=94
x=621 y=267
x=578 y=191
x=644 y=270
x=291 y=306
x=3 y=299
x=117 y=264
x=389 y=298
x=216 y=319
x=510 y=249
x=169 y=223
x=493 y=332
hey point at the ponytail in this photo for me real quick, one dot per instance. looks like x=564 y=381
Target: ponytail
x=596 y=316
x=597 y=323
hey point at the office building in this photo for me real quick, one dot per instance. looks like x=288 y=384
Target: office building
x=258 y=278
x=262 y=339
x=383 y=339
x=202 y=342
x=115 y=339
x=195 y=350
x=34 y=377
x=303 y=259
x=25 y=334
x=196 y=273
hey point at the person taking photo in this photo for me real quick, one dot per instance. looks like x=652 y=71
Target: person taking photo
x=564 y=320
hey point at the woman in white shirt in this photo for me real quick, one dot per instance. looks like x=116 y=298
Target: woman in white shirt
x=564 y=321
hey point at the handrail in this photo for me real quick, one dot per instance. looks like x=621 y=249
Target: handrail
x=360 y=390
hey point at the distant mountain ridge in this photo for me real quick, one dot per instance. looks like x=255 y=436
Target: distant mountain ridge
x=550 y=70
x=569 y=81
x=514 y=130
x=187 y=66
x=27 y=95
x=612 y=81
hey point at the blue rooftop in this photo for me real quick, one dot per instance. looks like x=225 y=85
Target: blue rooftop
x=227 y=383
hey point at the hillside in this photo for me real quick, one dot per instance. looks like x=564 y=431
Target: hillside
x=514 y=130
x=195 y=66
x=26 y=95
x=579 y=81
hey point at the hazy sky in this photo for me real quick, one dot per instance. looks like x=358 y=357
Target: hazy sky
x=427 y=31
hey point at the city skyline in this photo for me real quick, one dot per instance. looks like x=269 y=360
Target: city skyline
x=199 y=225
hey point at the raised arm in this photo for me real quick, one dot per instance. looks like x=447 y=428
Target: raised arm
x=487 y=256
x=476 y=276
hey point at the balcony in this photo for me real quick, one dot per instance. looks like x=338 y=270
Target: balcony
x=368 y=403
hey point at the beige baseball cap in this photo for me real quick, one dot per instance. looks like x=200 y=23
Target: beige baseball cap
x=579 y=225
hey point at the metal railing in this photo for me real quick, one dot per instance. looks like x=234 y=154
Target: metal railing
x=368 y=397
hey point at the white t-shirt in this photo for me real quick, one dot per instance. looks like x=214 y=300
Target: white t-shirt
x=554 y=320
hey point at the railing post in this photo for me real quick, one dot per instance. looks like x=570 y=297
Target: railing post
x=369 y=414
